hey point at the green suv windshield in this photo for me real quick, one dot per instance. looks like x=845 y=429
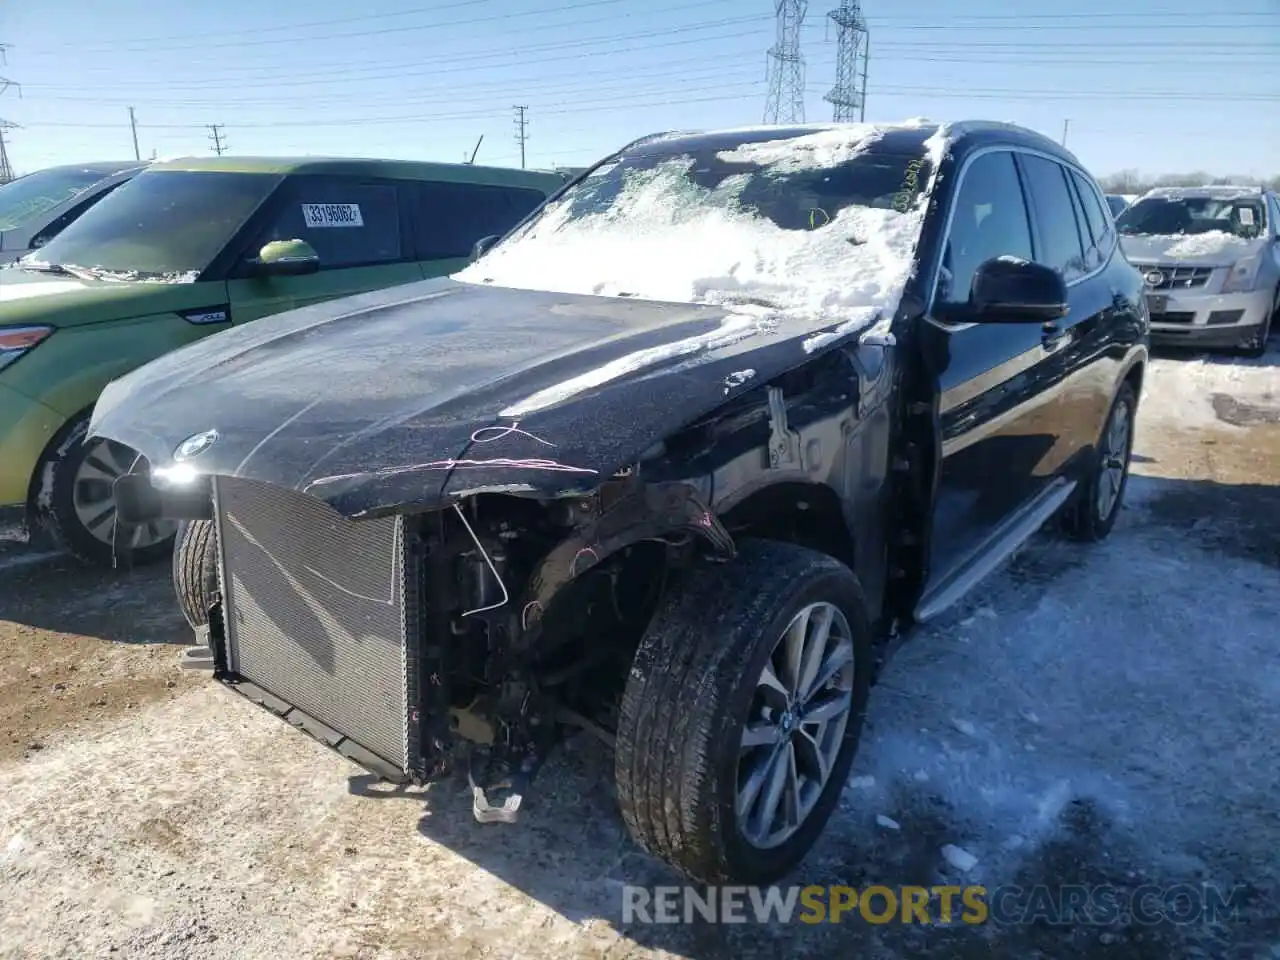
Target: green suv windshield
x=27 y=197
x=162 y=225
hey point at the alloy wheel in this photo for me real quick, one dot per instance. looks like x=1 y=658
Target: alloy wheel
x=1113 y=459
x=93 y=496
x=796 y=724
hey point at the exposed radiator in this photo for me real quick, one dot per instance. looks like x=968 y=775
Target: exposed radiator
x=313 y=606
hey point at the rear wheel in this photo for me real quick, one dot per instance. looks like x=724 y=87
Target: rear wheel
x=195 y=571
x=742 y=713
x=1094 y=511
x=76 y=501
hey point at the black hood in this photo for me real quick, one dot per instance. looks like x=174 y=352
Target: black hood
x=404 y=396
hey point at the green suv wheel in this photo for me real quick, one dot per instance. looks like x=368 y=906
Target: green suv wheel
x=75 y=501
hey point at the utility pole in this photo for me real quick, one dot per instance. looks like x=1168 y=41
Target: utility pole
x=133 y=125
x=522 y=136
x=1065 y=123
x=216 y=135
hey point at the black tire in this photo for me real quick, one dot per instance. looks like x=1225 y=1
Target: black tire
x=55 y=506
x=195 y=570
x=1257 y=347
x=1084 y=519
x=688 y=696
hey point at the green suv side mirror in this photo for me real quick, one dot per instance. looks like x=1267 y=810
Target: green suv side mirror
x=285 y=258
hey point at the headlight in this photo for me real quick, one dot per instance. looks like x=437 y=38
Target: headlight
x=15 y=341
x=1244 y=274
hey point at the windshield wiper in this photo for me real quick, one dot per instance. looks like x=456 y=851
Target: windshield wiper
x=40 y=266
x=59 y=269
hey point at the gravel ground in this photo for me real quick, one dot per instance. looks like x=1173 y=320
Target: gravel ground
x=1093 y=715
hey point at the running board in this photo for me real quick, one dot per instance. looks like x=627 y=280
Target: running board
x=994 y=550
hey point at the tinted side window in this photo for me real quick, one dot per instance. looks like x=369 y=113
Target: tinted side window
x=1099 y=219
x=349 y=223
x=989 y=220
x=60 y=223
x=450 y=217
x=1055 y=216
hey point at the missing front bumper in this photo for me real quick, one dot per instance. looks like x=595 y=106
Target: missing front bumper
x=318 y=622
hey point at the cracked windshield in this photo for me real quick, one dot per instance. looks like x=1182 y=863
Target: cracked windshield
x=668 y=480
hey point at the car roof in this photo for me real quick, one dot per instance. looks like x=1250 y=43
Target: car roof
x=362 y=167
x=1214 y=192
x=105 y=167
x=907 y=137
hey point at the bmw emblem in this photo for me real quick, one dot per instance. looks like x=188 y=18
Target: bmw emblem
x=1153 y=278
x=195 y=445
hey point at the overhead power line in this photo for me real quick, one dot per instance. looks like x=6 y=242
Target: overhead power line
x=348 y=35
x=1147 y=19
x=503 y=58
x=749 y=89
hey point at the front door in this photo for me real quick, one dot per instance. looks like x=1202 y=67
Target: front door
x=368 y=248
x=1000 y=421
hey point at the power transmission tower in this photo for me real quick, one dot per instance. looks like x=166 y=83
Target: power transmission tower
x=522 y=135
x=853 y=44
x=786 y=65
x=216 y=135
x=6 y=168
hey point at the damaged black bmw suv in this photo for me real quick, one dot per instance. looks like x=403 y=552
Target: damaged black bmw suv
x=678 y=461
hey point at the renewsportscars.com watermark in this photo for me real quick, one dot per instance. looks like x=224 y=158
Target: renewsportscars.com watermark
x=1069 y=905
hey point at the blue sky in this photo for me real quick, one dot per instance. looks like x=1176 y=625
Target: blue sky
x=1164 y=86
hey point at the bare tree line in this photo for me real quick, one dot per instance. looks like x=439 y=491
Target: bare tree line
x=1131 y=181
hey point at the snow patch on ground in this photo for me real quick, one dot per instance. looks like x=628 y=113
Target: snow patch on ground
x=1142 y=673
x=1180 y=391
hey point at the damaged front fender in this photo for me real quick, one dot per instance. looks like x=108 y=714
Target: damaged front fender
x=655 y=511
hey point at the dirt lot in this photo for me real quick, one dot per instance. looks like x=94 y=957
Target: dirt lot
x=1093 y=715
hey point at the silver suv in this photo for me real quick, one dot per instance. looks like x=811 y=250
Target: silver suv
x=1210 y=257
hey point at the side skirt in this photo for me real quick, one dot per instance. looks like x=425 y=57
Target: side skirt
x=994 y=550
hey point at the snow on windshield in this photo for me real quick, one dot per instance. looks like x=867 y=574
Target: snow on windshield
x=794 y=225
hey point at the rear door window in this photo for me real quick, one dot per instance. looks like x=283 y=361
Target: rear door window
x=450 y=217
x=989 y=219
x=1055 y=215
x=1099 y=219
x=349 y=222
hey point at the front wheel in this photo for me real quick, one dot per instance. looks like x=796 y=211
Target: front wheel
x=195 y=570
x=75 y=501
x=742 y=713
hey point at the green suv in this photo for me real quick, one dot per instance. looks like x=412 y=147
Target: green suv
x=188 y=248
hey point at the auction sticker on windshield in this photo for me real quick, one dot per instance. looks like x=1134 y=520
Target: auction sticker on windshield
x=332 y=215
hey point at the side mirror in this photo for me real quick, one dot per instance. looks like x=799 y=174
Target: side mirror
x=1012 y=290
x=285 y=258
x=483 y=246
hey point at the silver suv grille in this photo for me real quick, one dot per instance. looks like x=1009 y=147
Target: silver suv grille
x=313 y=610
x=1179 y=278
